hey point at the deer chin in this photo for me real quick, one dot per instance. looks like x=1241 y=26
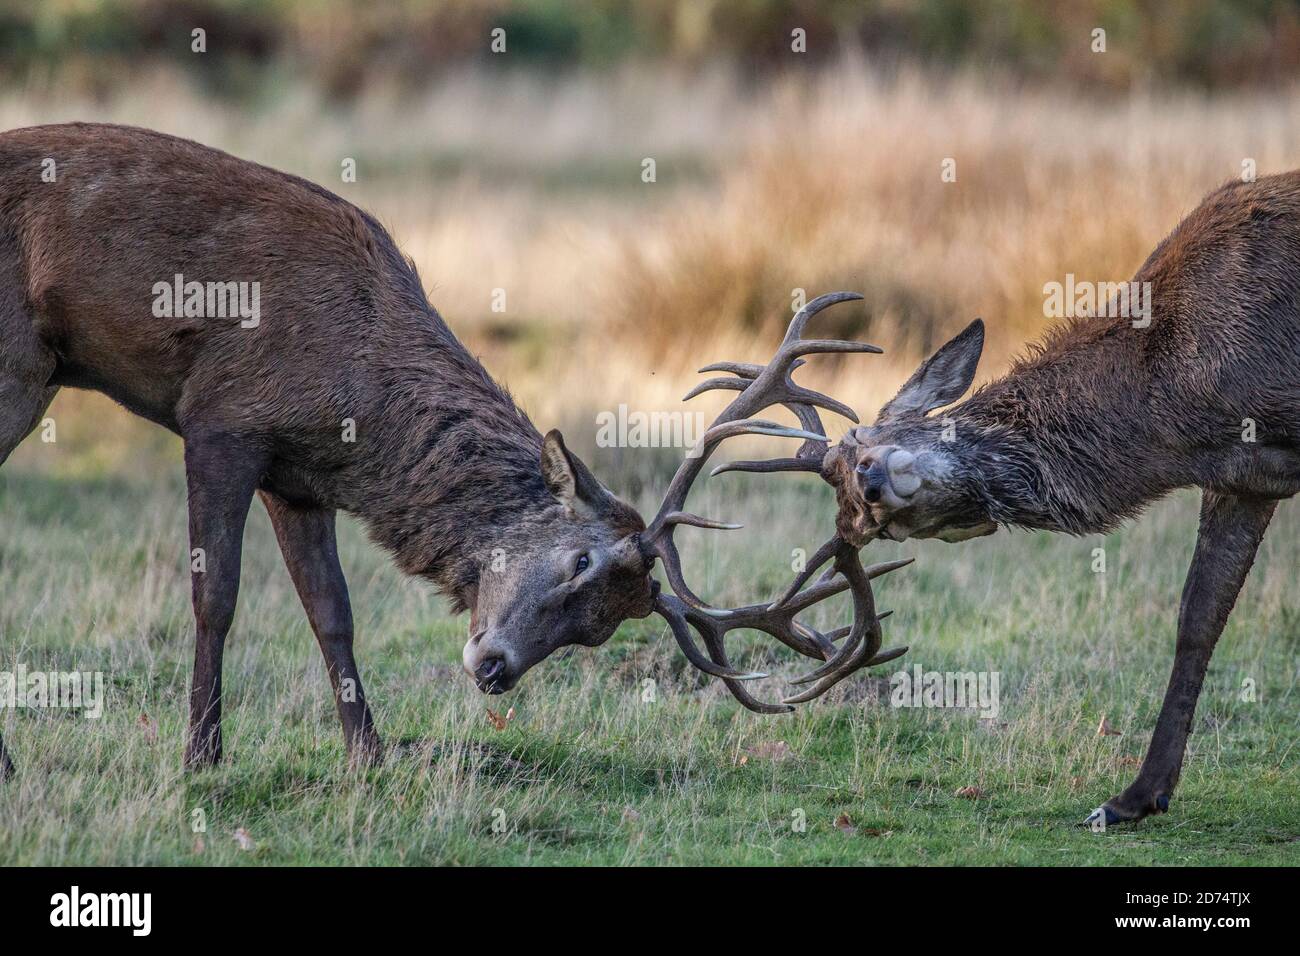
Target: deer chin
x=953 y=535
x=892 y=521
x=894 y=531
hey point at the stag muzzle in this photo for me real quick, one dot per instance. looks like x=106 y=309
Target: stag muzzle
x=873 y=480
x=887 y=475
x=487 y=665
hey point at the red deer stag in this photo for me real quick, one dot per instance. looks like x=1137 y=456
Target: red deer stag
x=98 y=222
x=1109 y=414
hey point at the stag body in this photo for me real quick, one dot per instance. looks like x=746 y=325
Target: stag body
x=350 y=394
x=1108 y=415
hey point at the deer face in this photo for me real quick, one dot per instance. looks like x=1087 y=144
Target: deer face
x=581 y=576
x=593 y=569
x=907 y=469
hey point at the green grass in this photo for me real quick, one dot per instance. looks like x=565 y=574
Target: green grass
x=92 y=574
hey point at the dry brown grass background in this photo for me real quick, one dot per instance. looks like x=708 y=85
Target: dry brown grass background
x=618 y=289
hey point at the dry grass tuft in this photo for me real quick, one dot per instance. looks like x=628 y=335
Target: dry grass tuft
x=618 y=289
x=842 y=189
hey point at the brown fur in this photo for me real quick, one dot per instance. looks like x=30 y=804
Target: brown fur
x=445 y=469
x=1104 y=417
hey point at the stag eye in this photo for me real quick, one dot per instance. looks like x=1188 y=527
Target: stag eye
x=581 y=564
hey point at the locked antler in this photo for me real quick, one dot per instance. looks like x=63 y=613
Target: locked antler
x=761 y=387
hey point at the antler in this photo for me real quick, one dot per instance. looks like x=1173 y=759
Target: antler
x=761 y=387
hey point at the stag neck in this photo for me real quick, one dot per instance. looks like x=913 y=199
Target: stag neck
x=451 y=466
x=1074 y=459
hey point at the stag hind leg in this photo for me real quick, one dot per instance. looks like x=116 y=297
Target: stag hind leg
x=307 y=541
x=1230 y=532
x=25 y=367
x=22 y=403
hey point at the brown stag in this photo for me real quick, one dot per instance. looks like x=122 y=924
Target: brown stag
x=1109 y=414
x=347 y=392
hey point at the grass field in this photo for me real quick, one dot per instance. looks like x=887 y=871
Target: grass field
x=617 y=290
x=93 y=576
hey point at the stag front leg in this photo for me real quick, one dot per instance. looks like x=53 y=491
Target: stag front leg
x=310 y=551
x=222 y=473
x=1230 y=532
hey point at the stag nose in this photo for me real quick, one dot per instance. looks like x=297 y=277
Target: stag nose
x=872 y=478
x=489 y=675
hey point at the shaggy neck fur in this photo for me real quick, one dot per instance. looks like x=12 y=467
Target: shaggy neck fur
x=450 y=465
x=1066 y=441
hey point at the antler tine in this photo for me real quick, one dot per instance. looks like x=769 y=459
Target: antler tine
x=674 y=612
x=862 y=645
x=820 y=557
x=713 y=640
x=864 y=625
x=681 y=617
x=760 y=387
x=795 y=395
x=710 y=384
x=769 y=465
x=858 y=661
x=780 y=623
x=803 y=402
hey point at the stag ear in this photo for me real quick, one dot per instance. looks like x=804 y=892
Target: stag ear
x=942 y=378
x=570 y=480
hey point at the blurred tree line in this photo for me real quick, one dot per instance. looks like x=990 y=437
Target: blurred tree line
x=343 y=44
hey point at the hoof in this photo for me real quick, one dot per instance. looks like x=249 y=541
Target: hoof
x=1125 y=809
x=367 y=756
x=201 y=758
x=1100 y=819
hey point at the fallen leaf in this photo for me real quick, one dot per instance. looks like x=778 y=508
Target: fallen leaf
x=150 y=729
x=1128 y=760
x=845 y=825
x=1104 y=729
x=244 y=839
x=875 y=832
x=499 y=722
x=970 y=793
x=774 y=750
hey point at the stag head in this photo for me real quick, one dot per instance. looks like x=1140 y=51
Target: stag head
x=576 y=573
x=911 y=475
x=600 y=575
